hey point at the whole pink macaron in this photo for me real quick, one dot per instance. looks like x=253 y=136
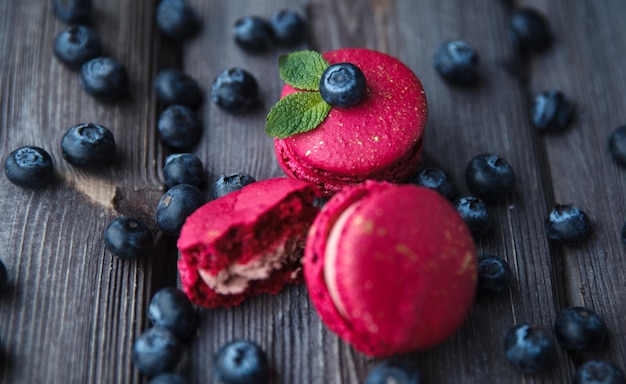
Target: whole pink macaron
x=380 y=138
x=390 y=268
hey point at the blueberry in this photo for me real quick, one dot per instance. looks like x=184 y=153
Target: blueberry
x=457 y=61
x=393 y=372
x=128 y=238
x=72 y=11
x=436 y=179
x=529 y=31
x=241 y=362
x=567 y=224
x=529 y=348
x=175 y=87
x=76 y=45
x=579 y=329
x=29 y=167
x=235 y=90
x=551 y=111
x=155 y=351
x=342 y=85
x=288 y=28
x=230 y=183
x=623 y=234
x=170 y=308
x=179 y=127
x=168 y=378
x=4 y=277
x=175 y=205
x=183 y=168
x=475 y=214
x=88 y=145
x=599 y=372
x=494 y=274
x=253 y=33
x=176 y=19
x=104 y=78
x=617 y=145
x=489 y=177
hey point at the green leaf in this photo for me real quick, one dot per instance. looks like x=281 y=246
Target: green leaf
x=302 y=69
x=296 y=113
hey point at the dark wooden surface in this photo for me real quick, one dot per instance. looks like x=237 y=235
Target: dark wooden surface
x=73 y=310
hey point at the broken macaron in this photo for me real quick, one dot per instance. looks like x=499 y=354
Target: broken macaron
x=390 y=268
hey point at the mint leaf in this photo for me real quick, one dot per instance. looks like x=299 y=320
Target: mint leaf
x=302 y=69
x=296 y=113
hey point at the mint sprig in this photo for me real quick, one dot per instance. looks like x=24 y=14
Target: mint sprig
x=302 y=69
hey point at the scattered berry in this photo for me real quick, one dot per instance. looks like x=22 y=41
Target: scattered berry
x=156 y=351
x=88 y=145
x=494 y=274
x=342 y=85
x=457 y=62
x=288 y=28
x=241 y=362
x=171 y=309
x=176 y=19
x=623 y=235
x=183 y=168
x=529 y=31
x=29 y=167
x=391 y=372
x=179 y=127
x=579 y=329
x=230 y=183
x=551 y=111
x=175 y=205
x=104 y=78
x=529 y=348
x=128 y=238
x=235 y=90
x=599 y=372
x=4 y=277
x=437 y=179
x=72 y=11
x=76 y=45
x=617 y=145
x=168 y=378
x=489 y=177
x=175 y=87
x=567 y=224
x=475 y=213
x=253 y=33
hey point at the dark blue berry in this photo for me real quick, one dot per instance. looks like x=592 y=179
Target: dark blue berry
x=551 y=111
x=489 y=177
x=494 y=274
x=175 y=87
x=623 y=234
x=393 y=372
x=235 y=90
x=436 y=179
x=76 y=45
x=72 y=11
x=288 y=28
x=567 y=224
x=457 y=61
x=175 y=205
x=176 y=19
x=128 y=238
x=529 y=348
x=475 y=214
x=342 y=85
x=230 y=183
x=253 y=33
x=183 y=168
x=88 y=145
x=168 y=378
x=104 y=78
x=599 y=372
x=241 y=362
x=529 y=30
x=4 y=278
x=170 y=308
x=617 y=145
x=179 y=127
x=155 y=351
x=29 y=167
x=579 y=329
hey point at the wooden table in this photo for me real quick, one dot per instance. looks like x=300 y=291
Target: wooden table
x=73 y=310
